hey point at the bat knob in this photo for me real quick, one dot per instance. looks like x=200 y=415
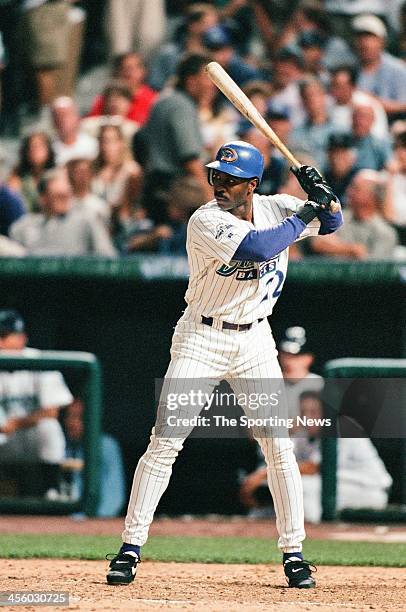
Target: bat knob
x=335 y=207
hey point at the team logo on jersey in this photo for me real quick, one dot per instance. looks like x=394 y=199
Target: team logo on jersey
x=224 y=230
x=228 y=155
x=267 y=266
x=245 y=270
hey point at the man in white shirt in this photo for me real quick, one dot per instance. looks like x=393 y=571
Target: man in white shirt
x=29 y=402
x=381 y=74
x=345 y=96
x=70 y=141
x=61 y=228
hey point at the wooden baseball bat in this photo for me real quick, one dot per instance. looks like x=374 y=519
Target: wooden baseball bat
x=238 y=98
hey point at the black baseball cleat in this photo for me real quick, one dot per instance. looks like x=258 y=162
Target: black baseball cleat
x=299 y=573
x=123 y=568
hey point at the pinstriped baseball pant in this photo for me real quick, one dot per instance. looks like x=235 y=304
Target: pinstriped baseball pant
x=202 y=352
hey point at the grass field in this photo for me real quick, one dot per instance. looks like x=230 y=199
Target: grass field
x=201 y=549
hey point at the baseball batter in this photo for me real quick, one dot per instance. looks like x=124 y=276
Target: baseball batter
x=237 y=248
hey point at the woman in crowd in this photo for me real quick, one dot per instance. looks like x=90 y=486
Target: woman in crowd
x=114 y=165
x=36 y=157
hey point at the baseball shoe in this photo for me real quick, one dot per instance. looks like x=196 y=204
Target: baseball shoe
x=122 y=568
x=299 y=573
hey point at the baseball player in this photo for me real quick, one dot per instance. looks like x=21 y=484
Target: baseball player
x=29 y=404
x=237 y=248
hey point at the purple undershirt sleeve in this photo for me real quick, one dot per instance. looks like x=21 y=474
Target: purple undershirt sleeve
x=261 y=245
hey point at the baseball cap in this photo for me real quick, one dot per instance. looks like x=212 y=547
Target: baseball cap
x=11 y=322
x=294 y=341
x=289 y=54
x=312 y=38
x=243 y=127
x=340 y=140
x=277 y=112
x=217 y=37
x=370 y=24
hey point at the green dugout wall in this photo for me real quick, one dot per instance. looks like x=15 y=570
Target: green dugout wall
x=350 y=370
x=124 y=312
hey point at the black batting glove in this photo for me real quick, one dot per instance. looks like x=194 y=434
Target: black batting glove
x=308 y=177
x=322 y=195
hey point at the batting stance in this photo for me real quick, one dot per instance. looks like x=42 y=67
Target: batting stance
x=237 y=248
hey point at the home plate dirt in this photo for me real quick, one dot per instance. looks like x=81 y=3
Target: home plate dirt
x=212 y=588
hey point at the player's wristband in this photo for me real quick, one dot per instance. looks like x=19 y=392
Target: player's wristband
x=308 y=212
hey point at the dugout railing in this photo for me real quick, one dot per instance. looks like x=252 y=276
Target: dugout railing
x=85 y=369
x=354 y=369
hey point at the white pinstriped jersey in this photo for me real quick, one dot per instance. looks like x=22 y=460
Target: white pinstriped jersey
x=235 y=291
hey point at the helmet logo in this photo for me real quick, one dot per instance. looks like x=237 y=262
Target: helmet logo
x=228 y=155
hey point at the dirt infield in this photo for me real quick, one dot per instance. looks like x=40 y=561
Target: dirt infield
x=198 y=587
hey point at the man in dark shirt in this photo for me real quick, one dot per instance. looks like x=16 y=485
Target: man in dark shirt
x=11 y=208
x=171 y=140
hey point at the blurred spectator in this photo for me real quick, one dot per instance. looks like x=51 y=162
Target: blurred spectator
x=279 y=120
x=274 y=165
x=173 y=137
x=44 y=33
x=218 y=43
x=362 y=478
x=11 y=208
x=345 y=95
x=342 y=12
x=380 y=73
x=310 y=16
x=113 y=165
x=372 y=152
x=401 y=41
x=313 y=44
x=312 y=136
x=94 y=50
x=259 y=92
x=129 y=68
x=287 y=72
x=342 y=164
x=112 y=479
x=296 y=360
x=116 y=103
x=29 y=403
x=80 y=174
x=36 y=157
x=135 y=25
x=395 y=204
x=197 y=19
x=218 y=121
x=10 y=248
x=70 y=141
x=61 y=228
x=183 y=196
x=11 y=78
x=365 y=234
x=129 y=220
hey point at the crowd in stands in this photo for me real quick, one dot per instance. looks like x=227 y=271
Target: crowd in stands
x=124 y=175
